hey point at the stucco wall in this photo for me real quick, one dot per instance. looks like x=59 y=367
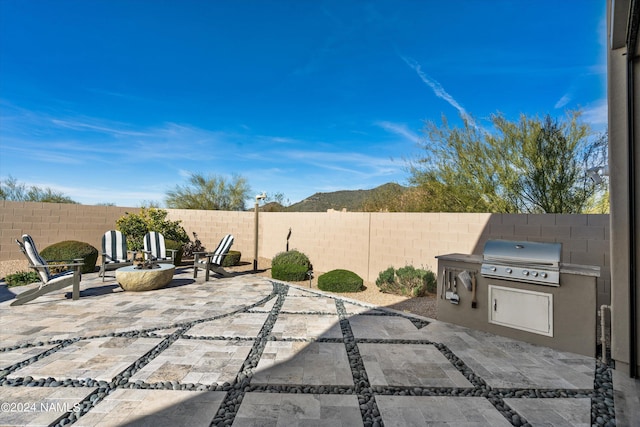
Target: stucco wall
x=365 y=243
x=619 y=83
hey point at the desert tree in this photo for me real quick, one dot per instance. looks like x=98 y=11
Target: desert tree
x=531 y=165
x=11 y=189
x=211 y=192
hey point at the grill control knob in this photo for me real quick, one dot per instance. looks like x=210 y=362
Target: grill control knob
x=492 y=269
x=509 y=271
x=543 y=275
x=525 y=273
x=534 y=274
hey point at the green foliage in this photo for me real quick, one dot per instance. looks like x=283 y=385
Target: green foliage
x=68 y=250
x=386 y=277
x=290 y=266
x=340 y=281
x=407 y=281
x=289 y=272
x=529 y=166
x=22 y=278
x=11 y=189
x=209 y=193
x=232 y=258
x=177 y=246
x=135 y=226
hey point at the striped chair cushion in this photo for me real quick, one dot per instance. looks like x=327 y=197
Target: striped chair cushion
x=34 y=258
x=222 y=249
x=114 y=244
x=154 y=243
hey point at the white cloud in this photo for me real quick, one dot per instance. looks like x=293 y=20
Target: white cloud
x=399 y=129
x=563 y=101
x=437 y=88
x=596 y=114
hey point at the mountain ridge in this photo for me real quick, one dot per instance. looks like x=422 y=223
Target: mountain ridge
x=350 y=200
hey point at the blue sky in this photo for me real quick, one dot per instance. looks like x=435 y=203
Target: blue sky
x=119 y=101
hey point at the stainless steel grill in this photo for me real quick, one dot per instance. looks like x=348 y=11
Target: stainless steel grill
x=530 y=262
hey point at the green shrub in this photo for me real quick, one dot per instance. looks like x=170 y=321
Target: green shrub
x=290 y=266
x=135 y=226
x=386 y=278
x=340 y=281
x=22 y=278
x=69 y=250
x=232 y=258
x=407 y=281
x=177 y=246
x=289 y=272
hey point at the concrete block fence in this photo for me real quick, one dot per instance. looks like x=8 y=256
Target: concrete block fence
x=365 y=243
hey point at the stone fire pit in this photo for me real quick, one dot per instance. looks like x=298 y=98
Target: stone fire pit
x=136 y=279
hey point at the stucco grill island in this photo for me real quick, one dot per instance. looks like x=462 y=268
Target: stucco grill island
x=521 y=290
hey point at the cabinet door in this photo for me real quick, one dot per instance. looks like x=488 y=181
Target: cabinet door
x=521 y=309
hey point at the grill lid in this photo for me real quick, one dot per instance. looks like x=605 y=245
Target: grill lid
x=530 y=262
x=525 y=253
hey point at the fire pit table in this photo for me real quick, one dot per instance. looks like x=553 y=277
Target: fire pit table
x=132 y=278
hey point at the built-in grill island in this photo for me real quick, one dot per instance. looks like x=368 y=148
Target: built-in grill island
x=521 y=290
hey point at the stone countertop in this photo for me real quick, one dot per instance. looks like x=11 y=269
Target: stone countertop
x=577 y=269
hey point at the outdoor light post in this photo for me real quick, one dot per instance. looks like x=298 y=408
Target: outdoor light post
x=255 y=231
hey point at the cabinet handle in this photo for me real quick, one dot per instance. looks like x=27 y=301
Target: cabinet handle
x=495 y=304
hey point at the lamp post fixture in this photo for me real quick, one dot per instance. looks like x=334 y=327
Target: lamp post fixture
x=255 y=231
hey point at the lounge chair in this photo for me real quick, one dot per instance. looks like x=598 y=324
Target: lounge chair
x=212 y=261
x=155 y=249
x=50 y=282
x=114 y=252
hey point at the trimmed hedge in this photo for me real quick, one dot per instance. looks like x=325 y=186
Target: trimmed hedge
x=232 y=258
x=340 y=281
x=291 y=266
x=289 y=272
x=69 y=250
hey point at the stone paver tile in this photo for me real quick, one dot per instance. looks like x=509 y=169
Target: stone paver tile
x=11 y=357
x=507 y=363
x=283 y=409
x=102 y=310
x=554 y=412
x=267 y=306
x=38 y=406
x=156 y=408
x=311 y=326
x=386 y=327
x=241 y=325
x=418 y=365
x=402 y=411
x=304 y=363
x=626 y=393
x=318 y=304
x=360 y=309
x=96 y=358
x=196 y=361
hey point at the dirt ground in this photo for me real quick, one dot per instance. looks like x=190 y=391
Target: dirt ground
x=423 y=306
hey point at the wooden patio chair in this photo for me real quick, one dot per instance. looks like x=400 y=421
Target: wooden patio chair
x=212 y=261
x=156 y=250
x=50 y=282
x=114 y=252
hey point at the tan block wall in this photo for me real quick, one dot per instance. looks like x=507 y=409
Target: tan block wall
x=50 y=223
x=366 y=243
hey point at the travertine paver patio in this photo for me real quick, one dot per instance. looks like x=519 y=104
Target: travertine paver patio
x=250 y=351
